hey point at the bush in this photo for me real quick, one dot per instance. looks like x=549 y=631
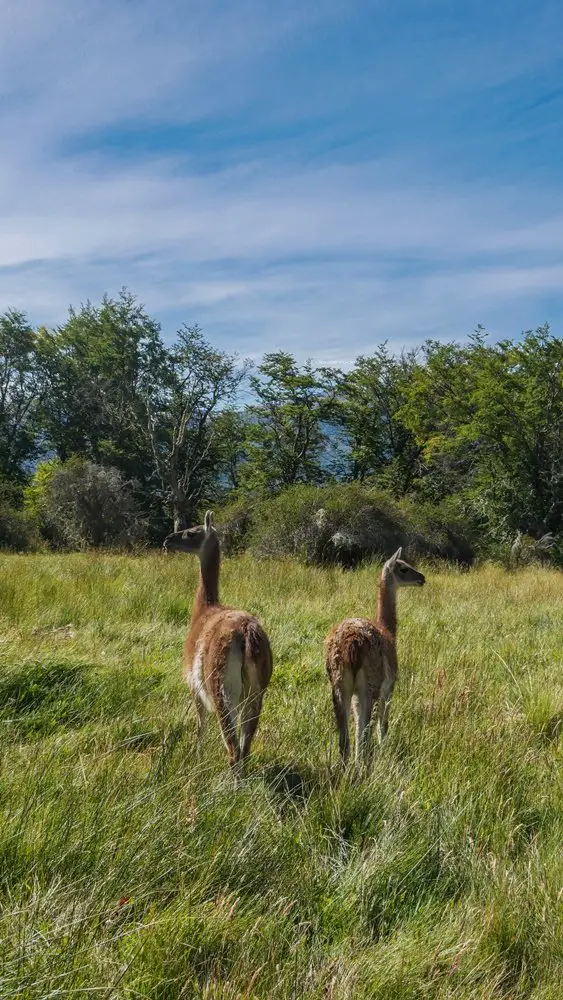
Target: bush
x=528 y=551
x=346 y=523
x=80 y=504
x=18 y=528
x=234 y=527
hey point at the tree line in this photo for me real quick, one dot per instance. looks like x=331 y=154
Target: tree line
x=100 y=410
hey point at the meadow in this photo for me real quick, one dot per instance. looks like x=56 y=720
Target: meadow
x=131 y=869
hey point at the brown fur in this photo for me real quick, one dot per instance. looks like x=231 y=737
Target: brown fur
x=227 y=654
x=361 y=660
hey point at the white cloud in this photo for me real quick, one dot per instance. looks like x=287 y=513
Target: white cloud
x=93 y=63
x=303 y=256
x=328 y=260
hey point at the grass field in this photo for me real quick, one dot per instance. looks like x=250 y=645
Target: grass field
x=130 y=870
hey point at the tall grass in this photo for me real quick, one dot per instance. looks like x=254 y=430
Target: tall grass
x=131 y=870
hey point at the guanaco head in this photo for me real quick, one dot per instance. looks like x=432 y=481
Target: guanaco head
x=191 y=539
x=401 y=573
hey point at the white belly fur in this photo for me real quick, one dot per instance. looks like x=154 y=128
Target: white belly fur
x=195 y=679
x=232 y=680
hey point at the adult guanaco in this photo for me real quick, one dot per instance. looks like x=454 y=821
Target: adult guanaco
x=227 y=654
x=361 y=659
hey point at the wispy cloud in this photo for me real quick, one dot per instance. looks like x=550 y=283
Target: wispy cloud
x=201 y=155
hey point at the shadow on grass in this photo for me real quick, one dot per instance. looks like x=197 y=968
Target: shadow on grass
x=552 y=729
x=39 y=698
x=287 y=783
x=28 y=688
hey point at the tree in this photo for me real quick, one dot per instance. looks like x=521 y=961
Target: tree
x=518 y=422
x=369 y=401
x=21 y=390
x=287 y=430
x=101 y=365
x=179 y=419
x=489 y=421
x=230 y=429
x=439 y=408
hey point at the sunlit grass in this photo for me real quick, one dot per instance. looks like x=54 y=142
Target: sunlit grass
x=129 y=869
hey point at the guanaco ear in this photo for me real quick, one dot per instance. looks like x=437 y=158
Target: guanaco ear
x=397 y=555
x=208 y=520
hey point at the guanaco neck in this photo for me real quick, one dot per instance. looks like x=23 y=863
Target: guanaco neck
x=207 y=592
x=387 y=604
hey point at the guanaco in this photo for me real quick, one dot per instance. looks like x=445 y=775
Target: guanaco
x=361 y=660
x=227 y=655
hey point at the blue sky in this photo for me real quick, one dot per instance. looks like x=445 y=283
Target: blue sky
x=314 y=176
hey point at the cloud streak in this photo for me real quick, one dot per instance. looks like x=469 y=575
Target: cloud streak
x=315 y=241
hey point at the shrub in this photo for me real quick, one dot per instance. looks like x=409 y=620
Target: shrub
x=18 y=528
x=80 y=504
x=234 y=526
x=346 y=523
x=528 y=551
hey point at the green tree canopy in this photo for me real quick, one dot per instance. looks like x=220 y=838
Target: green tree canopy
x=199 y=379
x=286 y=429
x=22 y=388
x=370 y=399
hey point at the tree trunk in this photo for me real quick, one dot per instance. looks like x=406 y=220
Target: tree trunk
x=180 y=521
x=179 y=508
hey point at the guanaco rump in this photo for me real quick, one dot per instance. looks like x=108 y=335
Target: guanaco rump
x=227 y=655
x=361 y=660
